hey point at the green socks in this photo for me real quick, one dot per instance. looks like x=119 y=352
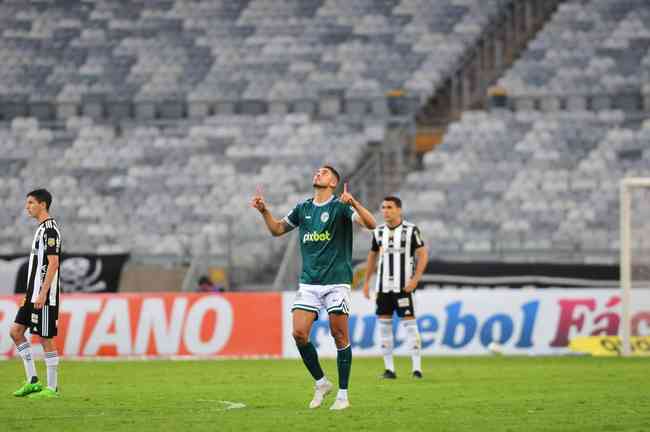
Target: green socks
x=344 y=363
x=310 y=358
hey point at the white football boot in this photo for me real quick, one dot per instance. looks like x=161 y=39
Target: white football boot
x=319 y=394
x=340 y=404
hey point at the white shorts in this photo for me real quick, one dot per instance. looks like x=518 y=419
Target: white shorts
x=313 y=298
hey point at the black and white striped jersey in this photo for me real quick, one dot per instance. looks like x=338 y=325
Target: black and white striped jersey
x=396 y=247
x=47 y=241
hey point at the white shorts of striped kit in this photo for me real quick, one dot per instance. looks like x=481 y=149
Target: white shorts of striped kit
x=332 y=298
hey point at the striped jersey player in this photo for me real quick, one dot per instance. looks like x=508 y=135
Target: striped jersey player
x=396 y=245
x=39 y=311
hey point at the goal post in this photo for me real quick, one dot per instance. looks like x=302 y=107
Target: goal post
x=634 y=251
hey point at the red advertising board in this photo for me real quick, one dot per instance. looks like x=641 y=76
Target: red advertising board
x=169 y=324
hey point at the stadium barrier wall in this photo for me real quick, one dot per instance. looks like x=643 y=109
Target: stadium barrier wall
x=155 y=325
x=495 y=274
x=451 y=322
x=443 y=274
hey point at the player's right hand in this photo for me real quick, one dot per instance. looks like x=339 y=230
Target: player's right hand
x=366 y=291
x=258 y=203
x=40 y=301
x=258 y=200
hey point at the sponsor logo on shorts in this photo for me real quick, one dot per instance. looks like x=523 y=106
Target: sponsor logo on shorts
x=403 y=302
x=316 y=237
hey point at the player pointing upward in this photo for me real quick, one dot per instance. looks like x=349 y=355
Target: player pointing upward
x=325 y=224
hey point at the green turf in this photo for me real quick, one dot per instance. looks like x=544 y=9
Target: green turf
x=457 y=394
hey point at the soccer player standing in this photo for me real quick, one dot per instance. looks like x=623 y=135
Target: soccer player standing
x=40 y=308
x=396 y=243
x=325 y=224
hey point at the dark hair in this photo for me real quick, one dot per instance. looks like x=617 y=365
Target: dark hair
x=205 y=280
x=335 y=172
x=394 y=199
x=42 y=195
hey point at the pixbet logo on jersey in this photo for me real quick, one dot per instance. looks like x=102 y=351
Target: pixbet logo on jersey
x=316 y=237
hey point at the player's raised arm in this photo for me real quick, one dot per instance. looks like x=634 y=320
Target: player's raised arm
x=276 y=227
x=364 y=217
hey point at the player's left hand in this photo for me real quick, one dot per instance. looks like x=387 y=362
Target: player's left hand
x=346 y=197
x=411 y=285
x=40 y=301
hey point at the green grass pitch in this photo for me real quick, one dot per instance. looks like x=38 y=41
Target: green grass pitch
x=456 y=394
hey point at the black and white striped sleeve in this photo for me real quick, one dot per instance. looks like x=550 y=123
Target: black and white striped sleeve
x=416 y=239
x=52 y=241
x=374 y=246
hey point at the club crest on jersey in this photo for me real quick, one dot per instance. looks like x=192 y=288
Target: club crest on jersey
x=316 y=237
x=324 y=217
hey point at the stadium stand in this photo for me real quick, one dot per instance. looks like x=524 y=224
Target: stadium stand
x=591 y=55
x=166 y=59
x=540 y=181
x=102 y=100
x=515 y=183
x=118 y=193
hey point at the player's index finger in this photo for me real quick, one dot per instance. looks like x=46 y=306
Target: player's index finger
x=345 y=187
x=258 y=190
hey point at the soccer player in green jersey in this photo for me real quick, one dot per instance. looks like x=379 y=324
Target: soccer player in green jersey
x=325 y=224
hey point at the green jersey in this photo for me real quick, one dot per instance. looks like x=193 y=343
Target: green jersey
x=325 y=241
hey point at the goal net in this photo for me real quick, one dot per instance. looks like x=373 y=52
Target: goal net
x=635 y=262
